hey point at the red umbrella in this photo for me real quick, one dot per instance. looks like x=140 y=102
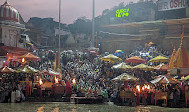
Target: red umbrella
x=135 y=59
x=161 y=67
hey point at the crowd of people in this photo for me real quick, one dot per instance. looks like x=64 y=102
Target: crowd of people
x=84 y=74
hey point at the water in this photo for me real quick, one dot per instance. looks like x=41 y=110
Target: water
x=67 y=107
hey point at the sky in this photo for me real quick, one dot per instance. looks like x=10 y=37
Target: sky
x=70 y=9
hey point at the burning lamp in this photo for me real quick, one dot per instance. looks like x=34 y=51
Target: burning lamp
x=148 y=87
x=40 y=82
x=138 y=88
x=23 y=60
x=56 y=80
x=74 y=81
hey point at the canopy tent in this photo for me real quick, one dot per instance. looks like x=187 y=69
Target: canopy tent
x=135 y=59
x=161 y=67
x=30 y=56
x=52 y=72
x=181 y=59
x=125 y=77
x=143 y=67
x=159 y=59
x=6 y=70
x=27 y=69
x=164 y=80
x=44 y=71
x=111 y=58
x=122 y=66
x=185 y=78
x=171 y=61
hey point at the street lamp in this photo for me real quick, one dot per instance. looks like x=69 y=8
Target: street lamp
x=59 y=34
x=93 y=25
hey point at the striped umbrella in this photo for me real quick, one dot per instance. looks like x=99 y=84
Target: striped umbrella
x=135 y=59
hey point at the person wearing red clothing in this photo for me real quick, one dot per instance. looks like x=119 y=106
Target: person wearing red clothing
x=68 y=89
x=27 y=90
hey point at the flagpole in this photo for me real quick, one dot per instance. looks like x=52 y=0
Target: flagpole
x=93 y=25
x=59 y=33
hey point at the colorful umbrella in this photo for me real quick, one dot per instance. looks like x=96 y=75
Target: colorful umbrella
x=6 y=70
x=162 y=67
x=117 y=54
x=92 y=51
x=111 y=58
x=125 y=77
x=118 y=51
x=135 y=59
x=151 y=43
x=159 y=59
x=185 y=78
x=143 y=67
x=122 y=66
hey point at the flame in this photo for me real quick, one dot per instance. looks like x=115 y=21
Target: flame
x=145 y=86
x=23 y=60
x=148 y=87
x=138 y=88
x=73 y=81
x=40 y=82
x=56 y=80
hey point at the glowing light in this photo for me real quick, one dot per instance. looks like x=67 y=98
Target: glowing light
x=56 y=80
x=4 y=61
x=148 y=87
x=73 y=81
x=122 y=12
x=40 y=82
x=138 y=88
x=143 y=88
x=23 y=60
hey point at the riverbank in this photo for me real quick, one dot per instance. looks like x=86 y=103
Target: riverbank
x=69 y=107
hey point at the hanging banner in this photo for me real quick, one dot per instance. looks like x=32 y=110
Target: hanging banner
x=164 y=5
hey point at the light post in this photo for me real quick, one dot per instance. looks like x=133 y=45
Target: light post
x=59 y=34
x=93 y=25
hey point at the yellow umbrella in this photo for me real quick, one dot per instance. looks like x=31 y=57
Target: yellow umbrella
x=143 y=67
x=125 y=77
x=111 y=58
x=122 y=66
x=159 y=59
x=151 y=43
x=185 y=78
